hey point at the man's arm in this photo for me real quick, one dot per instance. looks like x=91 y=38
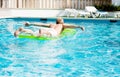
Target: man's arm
x=37 y=24
x=72 y=26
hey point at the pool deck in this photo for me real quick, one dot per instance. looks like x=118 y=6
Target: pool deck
x=41 y=13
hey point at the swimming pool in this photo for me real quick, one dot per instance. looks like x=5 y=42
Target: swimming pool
x=92 y=53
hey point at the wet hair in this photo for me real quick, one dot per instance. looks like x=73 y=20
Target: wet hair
x=59 y=21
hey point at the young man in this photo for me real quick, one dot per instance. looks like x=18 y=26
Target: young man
x=52 y=30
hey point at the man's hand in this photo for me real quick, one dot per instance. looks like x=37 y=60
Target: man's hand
x=82 y=28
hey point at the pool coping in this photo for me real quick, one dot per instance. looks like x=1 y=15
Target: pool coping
x=63 y=18
x=42 y=13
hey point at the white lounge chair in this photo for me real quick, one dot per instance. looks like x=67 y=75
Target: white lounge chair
x=117 y=14
x=73 y=12
x=94 y=12
x=83 y=13
x=68 y=12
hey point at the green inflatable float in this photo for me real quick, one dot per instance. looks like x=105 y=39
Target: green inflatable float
x=66 y=32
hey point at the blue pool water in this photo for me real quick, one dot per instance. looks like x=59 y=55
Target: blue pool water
x=92 y=53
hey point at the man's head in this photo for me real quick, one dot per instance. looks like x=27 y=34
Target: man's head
x=59 y=21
